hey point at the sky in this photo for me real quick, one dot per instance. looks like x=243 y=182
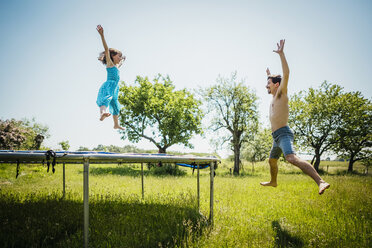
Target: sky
x=49 y=68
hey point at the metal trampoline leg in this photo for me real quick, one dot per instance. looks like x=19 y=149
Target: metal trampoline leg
x=86 y=202
x=211 y=194
x=198 y=188
x=64 y=181
x=143 y=187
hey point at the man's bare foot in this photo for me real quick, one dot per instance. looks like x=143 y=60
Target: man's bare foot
x=104 y=115
x=269 y=184
x=323 y=187
x=119 y=127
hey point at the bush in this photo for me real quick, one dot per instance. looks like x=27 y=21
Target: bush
x=168 y=169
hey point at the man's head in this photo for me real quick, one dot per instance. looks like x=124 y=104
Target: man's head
x=273 y=82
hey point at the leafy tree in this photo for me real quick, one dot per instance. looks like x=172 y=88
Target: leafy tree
x=234 y=109
x=159 y=113
x=82 y=148
x=314 y=117
x=354 y=130
x=100 y=147
x=37 y=134
x=259 y=148
x=65 y=145
x=21 y=134
x=12 y=134
x=367 y=163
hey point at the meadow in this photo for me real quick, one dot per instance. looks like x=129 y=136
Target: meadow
x=32 y=213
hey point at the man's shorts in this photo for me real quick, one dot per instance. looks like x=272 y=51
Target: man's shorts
x=282 y=142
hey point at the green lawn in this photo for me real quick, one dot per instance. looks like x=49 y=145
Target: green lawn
x=245 y=213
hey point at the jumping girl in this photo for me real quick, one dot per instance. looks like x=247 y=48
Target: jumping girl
x=108 y=93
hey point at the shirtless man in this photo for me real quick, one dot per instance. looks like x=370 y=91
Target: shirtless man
x=282 y=134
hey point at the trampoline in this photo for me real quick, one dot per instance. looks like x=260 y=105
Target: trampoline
x=52 y=158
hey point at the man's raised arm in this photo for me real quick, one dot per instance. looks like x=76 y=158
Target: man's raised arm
x=285 y=68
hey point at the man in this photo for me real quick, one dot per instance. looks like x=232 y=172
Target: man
x=282 y=134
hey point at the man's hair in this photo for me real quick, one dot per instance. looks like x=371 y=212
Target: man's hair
x=275 y=78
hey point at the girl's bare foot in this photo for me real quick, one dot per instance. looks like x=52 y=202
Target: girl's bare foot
x=269 y=184
x=104 y=115
x=119 y=127
x=323 y=187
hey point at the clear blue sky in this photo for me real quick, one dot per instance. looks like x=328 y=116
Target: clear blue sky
x=49 y=68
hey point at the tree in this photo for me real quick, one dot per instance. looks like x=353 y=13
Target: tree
x=314 y=117
x=159 y=113
x=65 y=145
x=234 y=109
x=21 y=134
x=354 y=130
x=82 y=149
x=367 y=162
x=37 y=134
x=12 y=134
x=259 y=148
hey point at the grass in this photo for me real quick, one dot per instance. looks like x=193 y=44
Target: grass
x=246 y=214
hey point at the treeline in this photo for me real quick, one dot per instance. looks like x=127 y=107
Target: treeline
x=324 y=119
x=134 y=149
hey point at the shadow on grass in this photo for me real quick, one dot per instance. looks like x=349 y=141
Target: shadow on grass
x=119 y=171
x=283 y=238
x=49 y=222
x=165 y=170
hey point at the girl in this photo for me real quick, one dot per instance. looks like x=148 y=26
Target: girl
x=108 y=93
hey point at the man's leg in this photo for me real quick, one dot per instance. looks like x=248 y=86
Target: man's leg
x=273 y=172
x=308 y=169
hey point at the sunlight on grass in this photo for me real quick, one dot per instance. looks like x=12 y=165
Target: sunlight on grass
x=245 y=213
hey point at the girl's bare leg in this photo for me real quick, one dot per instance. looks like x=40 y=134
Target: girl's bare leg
x=103 y=112
x=116 y=123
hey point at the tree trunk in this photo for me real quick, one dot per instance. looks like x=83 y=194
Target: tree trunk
x=312 y=161
x=236 y=159
x=351 y=163
x=317 y=160
x=162 y=150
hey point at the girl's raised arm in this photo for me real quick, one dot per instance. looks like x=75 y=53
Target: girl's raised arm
x=107 y=51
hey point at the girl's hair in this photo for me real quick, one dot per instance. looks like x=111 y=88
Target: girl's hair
x=113 y=52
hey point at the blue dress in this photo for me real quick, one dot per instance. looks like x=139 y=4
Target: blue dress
x=109 y=91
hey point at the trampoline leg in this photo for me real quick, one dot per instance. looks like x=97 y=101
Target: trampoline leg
x=211 y=194
x=64 y=181
x=143 y=187
x=198 y=188
x=86 y=202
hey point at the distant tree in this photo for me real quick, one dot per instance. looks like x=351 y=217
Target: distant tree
x=37 y=141
x=353 y=134
x=234 y=109
x=12 y=134
x=100 y=147
x=132 y=149
x=21 y=134
x=82 y=148
x=36 y=136
x=259 y=148
x=65 y=145
x=367 y=163
x=314 y=117
x=159 y=113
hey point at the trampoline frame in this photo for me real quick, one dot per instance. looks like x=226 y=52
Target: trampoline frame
x=87 y=158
